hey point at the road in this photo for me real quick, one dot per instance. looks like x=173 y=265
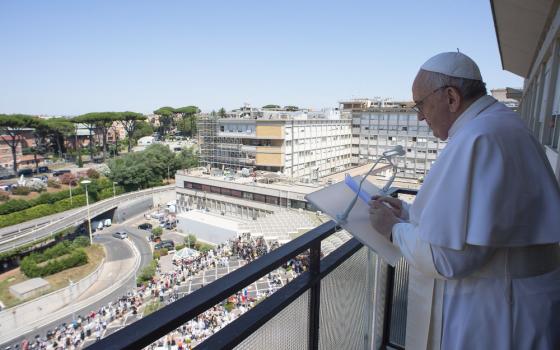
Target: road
x=116 y=250
x=16 y=235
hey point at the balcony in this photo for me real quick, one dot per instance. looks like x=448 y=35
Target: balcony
x=346 y=299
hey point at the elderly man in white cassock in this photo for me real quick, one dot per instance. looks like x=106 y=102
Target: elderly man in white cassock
x=482 y=235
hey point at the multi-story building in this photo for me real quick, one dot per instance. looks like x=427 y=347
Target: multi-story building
x=379 y=124
x=532 y=50
x=300 y=144
x=508 y=96
x=27 y=140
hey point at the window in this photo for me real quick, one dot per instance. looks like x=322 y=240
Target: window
x=259 y=197
x=188 y=184
x=247 y=195
x=222 y=128
x=272 y=200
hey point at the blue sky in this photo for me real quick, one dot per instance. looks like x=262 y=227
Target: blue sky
x=73 y=57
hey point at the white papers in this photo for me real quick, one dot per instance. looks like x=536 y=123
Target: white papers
x=334 y=200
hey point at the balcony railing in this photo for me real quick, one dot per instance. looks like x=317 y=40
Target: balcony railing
x=348 y=299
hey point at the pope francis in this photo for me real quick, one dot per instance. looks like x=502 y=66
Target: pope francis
x=482 y=235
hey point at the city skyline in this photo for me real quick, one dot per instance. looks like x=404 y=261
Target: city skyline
x=68 y=58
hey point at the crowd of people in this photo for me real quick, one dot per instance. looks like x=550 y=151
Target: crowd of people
x=93 y=324
x=164 y=289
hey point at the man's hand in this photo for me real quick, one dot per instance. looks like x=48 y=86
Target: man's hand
x=382 y=217
x=395 y=205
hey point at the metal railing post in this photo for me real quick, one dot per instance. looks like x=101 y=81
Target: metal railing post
x=315 y=295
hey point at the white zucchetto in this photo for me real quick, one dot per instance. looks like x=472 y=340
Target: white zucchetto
x=453 y=64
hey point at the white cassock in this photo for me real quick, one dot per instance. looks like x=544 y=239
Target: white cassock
x=482 y=240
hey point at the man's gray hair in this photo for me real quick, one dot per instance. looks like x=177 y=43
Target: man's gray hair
x=468 y=88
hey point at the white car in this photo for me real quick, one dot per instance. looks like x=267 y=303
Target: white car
x=108 y=223
x=120 y=235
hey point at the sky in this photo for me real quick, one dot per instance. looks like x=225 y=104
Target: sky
x=73 y=57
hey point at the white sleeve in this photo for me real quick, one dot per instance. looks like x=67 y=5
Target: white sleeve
x=416 y=252
x=405 y=210
x=435 y=261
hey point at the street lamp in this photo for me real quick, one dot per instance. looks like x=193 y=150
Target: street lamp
x=114 y=193
x=85 y=183
x=70 y=185
x=168 y=173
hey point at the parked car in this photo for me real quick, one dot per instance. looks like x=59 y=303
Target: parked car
x=97 y=225
x=120 y=235
x=60 y=172
x=167 y=244
x=107 y=222
x=43 y=169
x=145 y=226
x=6 y=173
x=170 y=225
x=25 y=172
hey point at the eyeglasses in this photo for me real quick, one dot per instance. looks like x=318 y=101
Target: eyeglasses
x=418 y=106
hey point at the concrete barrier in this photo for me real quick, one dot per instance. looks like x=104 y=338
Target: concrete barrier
x=132 y=208
x=33 y=310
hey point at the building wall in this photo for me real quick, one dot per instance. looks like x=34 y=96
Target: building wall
x=375 y=131
x=540 y=104
x=275 y=131
x=306 y=148
x=27 y=141
x=317 y=147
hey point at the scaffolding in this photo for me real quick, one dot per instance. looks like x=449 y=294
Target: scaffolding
x=221 y=152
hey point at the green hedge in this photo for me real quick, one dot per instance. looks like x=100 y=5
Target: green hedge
x=41 y=210
x=74 y=256
x=31 y=269
x=15 y=205
x=147 y=272
x=102 y=185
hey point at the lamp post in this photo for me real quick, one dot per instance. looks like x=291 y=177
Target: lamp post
x=70 y=185
x=114 y=193
x=85 y=183
x=168 y=173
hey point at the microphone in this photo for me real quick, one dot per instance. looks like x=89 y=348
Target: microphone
x=398 y=150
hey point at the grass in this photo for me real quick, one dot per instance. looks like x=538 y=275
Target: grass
x=152 y=306
x=57 y=281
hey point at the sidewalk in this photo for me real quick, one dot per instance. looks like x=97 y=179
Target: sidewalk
x=113 y=275
x=112 y=271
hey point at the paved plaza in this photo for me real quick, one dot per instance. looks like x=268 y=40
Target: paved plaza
x=203 y=278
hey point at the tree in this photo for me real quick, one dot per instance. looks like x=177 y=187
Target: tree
x=12 y=128
x=142 y=129
x=89 y=121
x=41 y=131
x=186 y=159
x=188 y=119
x=60 y=129
x=104 y=121
x=291 y=108
x=222 y=112
x=130 y=121
x=271 y=107
x=166 y=115
x=143 y=169
x=101 y=121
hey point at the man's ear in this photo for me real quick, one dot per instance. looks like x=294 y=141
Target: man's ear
x=454 y=99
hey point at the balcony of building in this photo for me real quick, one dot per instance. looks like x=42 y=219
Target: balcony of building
x=346 y=298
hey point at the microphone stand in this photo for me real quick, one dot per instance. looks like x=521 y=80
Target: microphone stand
x=341 y=218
